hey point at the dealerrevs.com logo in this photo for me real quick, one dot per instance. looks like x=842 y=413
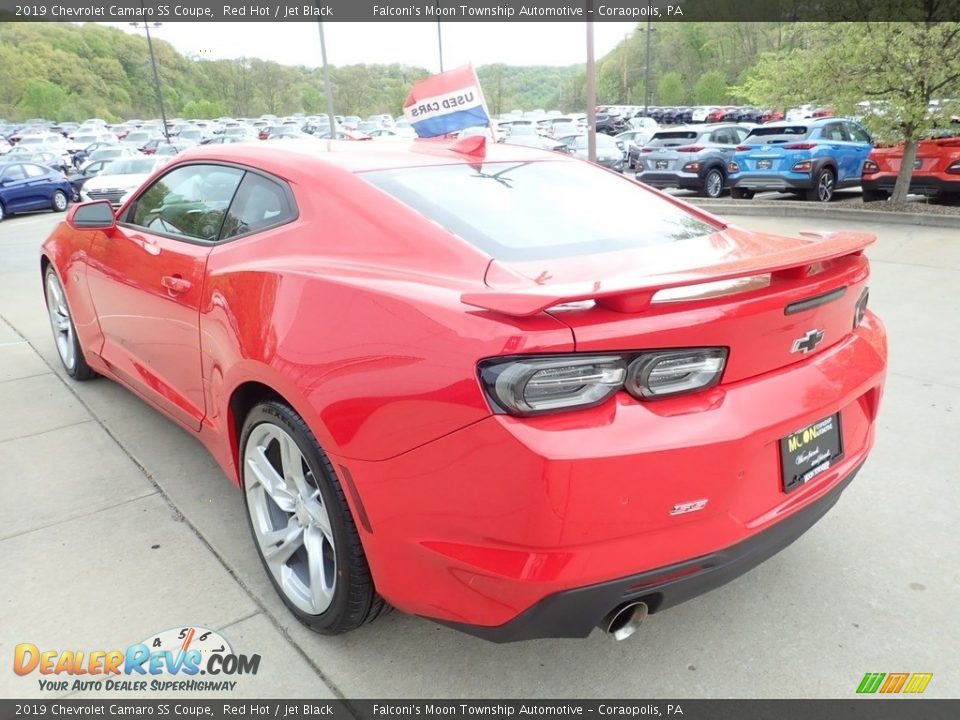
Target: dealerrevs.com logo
x=171 y=661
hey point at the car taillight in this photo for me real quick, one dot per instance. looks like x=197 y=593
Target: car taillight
x=733 y=167
x=800 y=146
x=646 y=149
x=805 y=166
x=529 y=386
x=954 y=169
x=861 y=308
x=870 y=167
x=692 y=167
x=660 y=374
x=743 y=148
x=534 y=385
x=690 y=148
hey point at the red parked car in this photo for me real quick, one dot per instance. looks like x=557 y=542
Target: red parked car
x=444 y=386
x=936 y=170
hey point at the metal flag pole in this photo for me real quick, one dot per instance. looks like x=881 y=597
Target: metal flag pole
x=328 y=89
x=436 y=4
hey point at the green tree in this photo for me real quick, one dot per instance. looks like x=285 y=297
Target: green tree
x=670 y=89
x=42 y=99
x=710 y=89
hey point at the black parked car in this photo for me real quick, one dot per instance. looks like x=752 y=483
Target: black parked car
x=610 y=124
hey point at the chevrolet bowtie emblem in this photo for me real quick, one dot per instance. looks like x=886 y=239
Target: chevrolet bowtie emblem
x=808 y=342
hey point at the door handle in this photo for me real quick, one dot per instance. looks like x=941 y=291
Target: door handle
x=149 y=245
x=175 y=283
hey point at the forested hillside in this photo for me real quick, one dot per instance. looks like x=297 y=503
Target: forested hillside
x=65 y=71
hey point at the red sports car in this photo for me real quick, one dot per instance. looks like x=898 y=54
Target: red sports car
x=936 y=170
x=466 y=381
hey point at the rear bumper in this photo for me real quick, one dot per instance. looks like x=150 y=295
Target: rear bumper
x=686 y=181
x=482 y=526
x=919 y=185
x=760 y=183
x=575 y=613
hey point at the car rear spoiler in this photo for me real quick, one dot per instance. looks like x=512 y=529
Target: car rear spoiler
x=633 y=295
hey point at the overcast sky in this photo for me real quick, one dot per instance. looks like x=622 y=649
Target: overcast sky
x=518 y=43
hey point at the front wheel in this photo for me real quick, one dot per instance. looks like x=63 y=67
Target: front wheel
x=59 y=202
x=741 y=194
x=64 y=332
x=823 y=186
x=302 y=525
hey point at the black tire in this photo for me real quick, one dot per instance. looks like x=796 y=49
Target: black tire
x=355 y=600
x=3 y=212
x=824 y=186
x=713 y=182
x=60 y=201
x=78 y=369
x=741 y=194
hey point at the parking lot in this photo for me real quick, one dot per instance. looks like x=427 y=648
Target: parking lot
x=117 y=525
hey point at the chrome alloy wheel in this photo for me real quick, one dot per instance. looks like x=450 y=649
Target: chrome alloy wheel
x=289 y=518
x=60 y=322
x=825 y=186
x=714 y=183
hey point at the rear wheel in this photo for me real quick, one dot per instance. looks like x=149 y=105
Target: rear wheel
x=823 y=186
x=302 y=525
x=3 y=213
x=64 y=332
x=59 y=202
x=712 y=183
x=741 y=194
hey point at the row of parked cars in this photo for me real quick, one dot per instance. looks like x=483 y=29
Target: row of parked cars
x=812 y=158
x=45 y=165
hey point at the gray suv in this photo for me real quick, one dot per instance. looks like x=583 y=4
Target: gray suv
x=691 y=158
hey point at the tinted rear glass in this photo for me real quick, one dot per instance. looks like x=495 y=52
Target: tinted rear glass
x=775 y=135
x=539 y=210
x=674 y=138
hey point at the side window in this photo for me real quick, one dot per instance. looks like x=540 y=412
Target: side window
x=833 y=131
x=858 y=134
x=34 y=171
x=259 y=204
x=190 y=201
x=14 y=172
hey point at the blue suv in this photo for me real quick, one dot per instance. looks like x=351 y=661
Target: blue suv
x=813 y=158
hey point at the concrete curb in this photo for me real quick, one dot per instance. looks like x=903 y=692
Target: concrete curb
x=801 y=210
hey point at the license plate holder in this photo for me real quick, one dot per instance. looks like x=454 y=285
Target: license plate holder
x=662 y=164
x=809 y=451
x=764 y=164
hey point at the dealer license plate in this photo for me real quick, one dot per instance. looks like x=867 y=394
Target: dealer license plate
x=810 y=451
x=662 y=164
x=764 y=164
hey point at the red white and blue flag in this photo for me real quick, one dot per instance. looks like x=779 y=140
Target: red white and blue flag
x=446 y=103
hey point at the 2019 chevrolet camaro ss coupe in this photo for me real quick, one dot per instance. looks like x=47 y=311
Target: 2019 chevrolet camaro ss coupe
x=489 y=385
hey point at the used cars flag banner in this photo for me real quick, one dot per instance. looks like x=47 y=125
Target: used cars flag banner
x=446 y=103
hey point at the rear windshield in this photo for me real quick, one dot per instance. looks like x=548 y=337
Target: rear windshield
x=775 y=135
x=674 y=138
x=540 y=210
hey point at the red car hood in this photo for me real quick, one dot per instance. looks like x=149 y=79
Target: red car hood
x=627 y=281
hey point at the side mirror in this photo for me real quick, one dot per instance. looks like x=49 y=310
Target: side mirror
x=96 y=215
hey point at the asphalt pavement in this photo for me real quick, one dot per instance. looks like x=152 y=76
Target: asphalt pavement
x=116 y=524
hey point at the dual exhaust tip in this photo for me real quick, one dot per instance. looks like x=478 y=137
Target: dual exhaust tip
x=625 y=620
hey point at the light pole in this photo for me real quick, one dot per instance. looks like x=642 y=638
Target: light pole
x=646 y=71
x=156 y=75
x=591 y=93
x=624 y=53
x=328 y=88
